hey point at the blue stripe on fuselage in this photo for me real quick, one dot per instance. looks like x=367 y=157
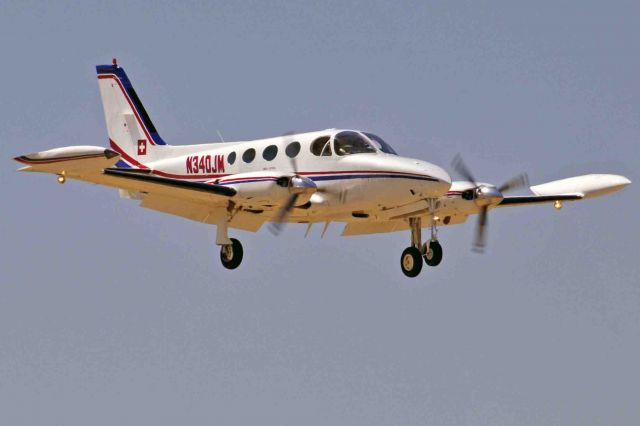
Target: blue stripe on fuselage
x=371 y=176
x=339 y=177
x=246 y=181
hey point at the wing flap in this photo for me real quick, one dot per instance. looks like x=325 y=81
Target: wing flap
x=364 y=228
x=199 y=212
x=202 y=212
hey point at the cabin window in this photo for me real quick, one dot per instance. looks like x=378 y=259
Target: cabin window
x=249 y=155
x=231 y=158
x=293 y=149
x=270 y=152
x=381 y=144
x=321 y=146
x=347 y=143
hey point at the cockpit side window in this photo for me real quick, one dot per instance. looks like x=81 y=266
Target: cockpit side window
x=347 y=143
x=381 y=144
x=321 y=146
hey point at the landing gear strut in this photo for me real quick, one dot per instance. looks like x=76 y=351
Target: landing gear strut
x=410 y=261
x=432 y=250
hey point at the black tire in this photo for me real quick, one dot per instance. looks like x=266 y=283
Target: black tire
x=433 y=257
x=411 y=262
x=233 y=259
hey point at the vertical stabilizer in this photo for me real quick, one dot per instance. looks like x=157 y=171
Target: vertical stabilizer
x=131 y=131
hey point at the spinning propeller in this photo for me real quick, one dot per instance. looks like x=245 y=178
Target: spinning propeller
x=484 y=196
x=298 y=185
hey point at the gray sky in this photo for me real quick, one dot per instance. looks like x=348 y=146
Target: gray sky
x=112 y=314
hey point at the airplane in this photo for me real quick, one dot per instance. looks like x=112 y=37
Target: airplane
x=332 y=175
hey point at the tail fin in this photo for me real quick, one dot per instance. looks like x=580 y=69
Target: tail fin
x=131 y=132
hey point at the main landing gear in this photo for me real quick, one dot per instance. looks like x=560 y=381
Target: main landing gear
x=431 y=251
x=230 y=249
x=411 y=261
x=231 y=254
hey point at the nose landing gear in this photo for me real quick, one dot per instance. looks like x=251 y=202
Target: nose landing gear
x=431 y=251
x=411 y=262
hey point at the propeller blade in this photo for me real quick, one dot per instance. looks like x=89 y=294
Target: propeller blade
x=515 y=182
x=287 y=138
x=276 y=225
x=460 y=167
x=294 y=165
x=479 y=243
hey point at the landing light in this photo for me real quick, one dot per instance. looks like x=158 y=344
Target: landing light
x=61 y=179
x=557 y=204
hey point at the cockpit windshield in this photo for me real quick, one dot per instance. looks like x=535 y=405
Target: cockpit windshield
x=381 y=144
x=347 y=143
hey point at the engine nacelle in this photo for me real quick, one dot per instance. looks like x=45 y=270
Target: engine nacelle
x=268 y=188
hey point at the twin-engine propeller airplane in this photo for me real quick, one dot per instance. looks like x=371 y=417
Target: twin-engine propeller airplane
x=333 y=175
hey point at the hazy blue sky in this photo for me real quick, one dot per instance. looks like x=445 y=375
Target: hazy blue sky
x=112 y=314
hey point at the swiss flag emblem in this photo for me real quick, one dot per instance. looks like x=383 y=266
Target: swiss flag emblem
x=142 y=147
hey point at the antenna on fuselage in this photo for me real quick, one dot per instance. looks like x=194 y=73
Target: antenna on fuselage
x=220 y=135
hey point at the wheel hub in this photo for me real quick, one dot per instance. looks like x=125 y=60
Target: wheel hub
x=227 y=252
x=407 y=262
x=429 y=254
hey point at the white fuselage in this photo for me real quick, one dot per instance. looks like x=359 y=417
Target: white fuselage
x=347 y=184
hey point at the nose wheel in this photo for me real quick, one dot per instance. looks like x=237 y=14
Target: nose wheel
x=411 y=262
x=231 y=254
x=432 y=253
x=411 y=259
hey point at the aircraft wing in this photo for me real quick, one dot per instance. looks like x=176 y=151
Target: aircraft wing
x=197 y=201
x=94 y=164
x=569 y=189
x=457 y=210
